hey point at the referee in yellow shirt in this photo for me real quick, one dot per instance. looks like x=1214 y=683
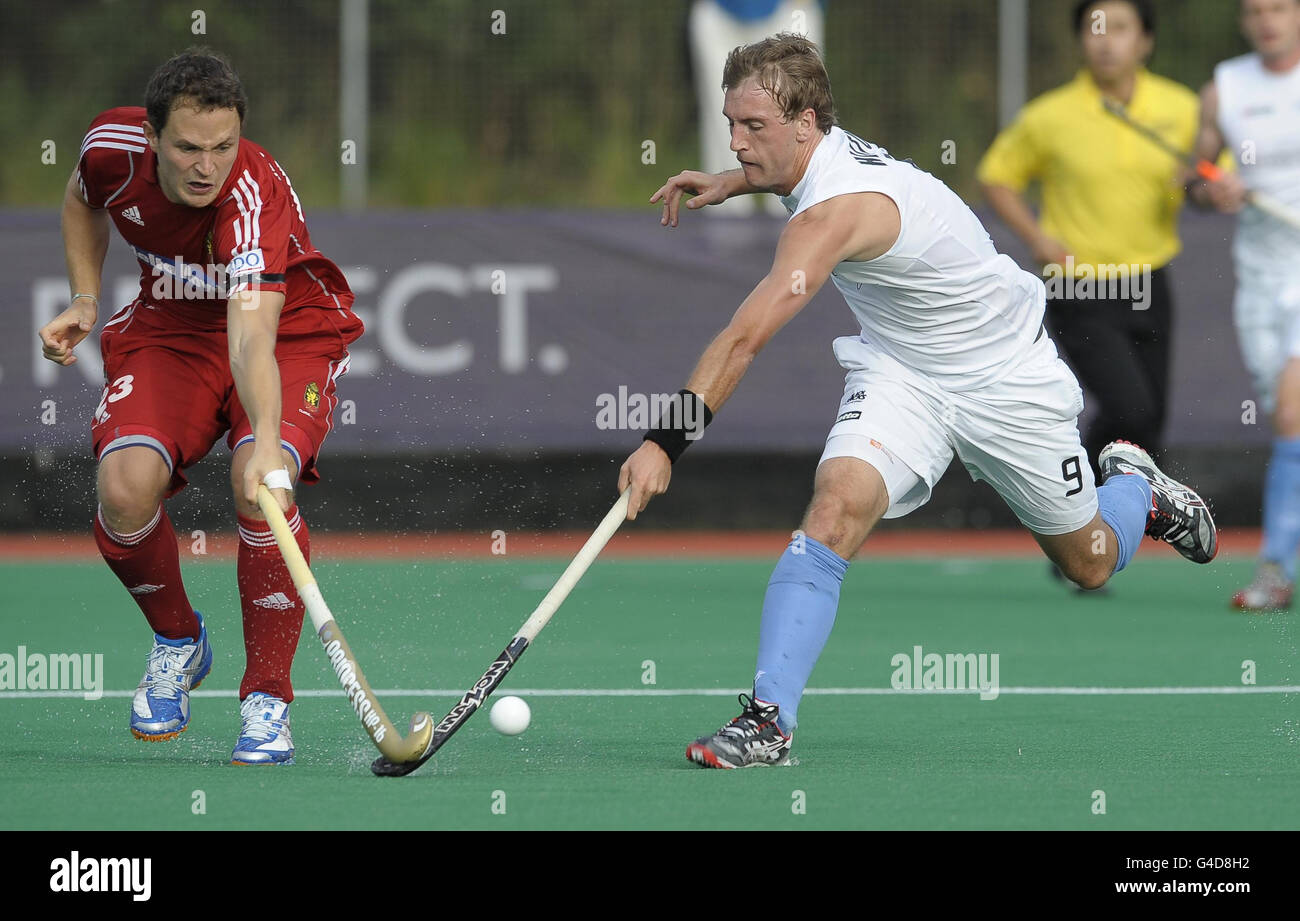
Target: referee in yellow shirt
x=1109 y=198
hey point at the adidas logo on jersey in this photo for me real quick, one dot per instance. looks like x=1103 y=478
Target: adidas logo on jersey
x=144 y=589
x=277 y=600
x=132 y=214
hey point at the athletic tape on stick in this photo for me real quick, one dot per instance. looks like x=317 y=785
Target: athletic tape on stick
x=278 y=479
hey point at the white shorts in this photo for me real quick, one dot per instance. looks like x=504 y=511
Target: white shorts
x=1019 y=434
x=1266 y=312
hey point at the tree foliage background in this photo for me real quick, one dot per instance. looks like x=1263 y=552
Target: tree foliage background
x=553 y=112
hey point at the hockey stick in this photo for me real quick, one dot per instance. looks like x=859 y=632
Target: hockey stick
x=1204 y=168
x=476 y=695
x=387 y=739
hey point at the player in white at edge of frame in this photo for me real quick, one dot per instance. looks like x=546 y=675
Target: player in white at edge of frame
x=1252 y=108
x=951 y=357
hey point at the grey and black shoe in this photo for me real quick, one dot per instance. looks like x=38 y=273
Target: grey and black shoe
x=749 y=740
x=1178 y=515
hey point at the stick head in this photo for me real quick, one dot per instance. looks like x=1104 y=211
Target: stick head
x=382 y=767
x=420 y=736
x=416 y=744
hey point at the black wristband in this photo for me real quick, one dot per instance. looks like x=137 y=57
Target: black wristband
x=684 y=422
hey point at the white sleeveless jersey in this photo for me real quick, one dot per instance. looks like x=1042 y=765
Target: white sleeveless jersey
x=1259 y=117
x=942 y=300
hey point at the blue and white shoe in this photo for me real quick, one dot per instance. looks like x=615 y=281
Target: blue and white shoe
x=265 y=738
x=160 y=708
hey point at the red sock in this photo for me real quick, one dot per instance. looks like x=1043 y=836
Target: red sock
x=148 y=563
x=273 y=611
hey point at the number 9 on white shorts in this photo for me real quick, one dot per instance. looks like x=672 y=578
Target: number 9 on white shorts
x=1020 y=434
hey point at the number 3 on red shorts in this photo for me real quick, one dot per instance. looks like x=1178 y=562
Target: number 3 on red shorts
x=120 y=388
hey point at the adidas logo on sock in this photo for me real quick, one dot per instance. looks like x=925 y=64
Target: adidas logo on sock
x=277 y=600
x=144 y=589
x=132 y=214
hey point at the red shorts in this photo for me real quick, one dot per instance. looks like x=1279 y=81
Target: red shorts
x=168 y=386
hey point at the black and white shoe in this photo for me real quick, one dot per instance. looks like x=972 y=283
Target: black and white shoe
x=1178 y=515
x=750 y=740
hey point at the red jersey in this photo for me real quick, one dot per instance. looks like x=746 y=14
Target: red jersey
x=193 y=259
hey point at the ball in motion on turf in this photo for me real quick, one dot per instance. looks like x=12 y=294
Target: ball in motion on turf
x=510 y=716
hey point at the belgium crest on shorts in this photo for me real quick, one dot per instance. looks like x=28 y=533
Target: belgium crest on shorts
x=311 y=396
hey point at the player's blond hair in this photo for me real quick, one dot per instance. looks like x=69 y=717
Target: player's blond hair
x=790 y=68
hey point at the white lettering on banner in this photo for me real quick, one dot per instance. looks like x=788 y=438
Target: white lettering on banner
x=513 y=351
x=393 y=301
x=514 y=306
x=387 y=322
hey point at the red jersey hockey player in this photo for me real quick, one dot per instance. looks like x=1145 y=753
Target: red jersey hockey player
x=240 y=328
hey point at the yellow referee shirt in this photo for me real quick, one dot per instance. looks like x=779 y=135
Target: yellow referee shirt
x=1109 y=195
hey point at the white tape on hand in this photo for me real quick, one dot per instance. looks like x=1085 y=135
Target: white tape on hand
x=278 y=479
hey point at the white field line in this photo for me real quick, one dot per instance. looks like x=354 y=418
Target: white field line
x=720 y=692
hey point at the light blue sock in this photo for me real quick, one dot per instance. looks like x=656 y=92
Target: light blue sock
x=1125 y=503
x=798 y=613
x=1282 y=505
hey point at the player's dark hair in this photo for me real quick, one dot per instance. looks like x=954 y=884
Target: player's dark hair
x=789 y=67
x=1146 y=13
x=198 y=74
